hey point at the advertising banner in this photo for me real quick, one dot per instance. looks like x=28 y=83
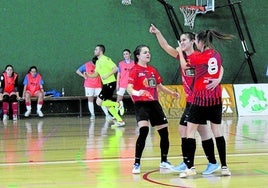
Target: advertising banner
x=251 y=99
x=228 y=101
x=174 y=108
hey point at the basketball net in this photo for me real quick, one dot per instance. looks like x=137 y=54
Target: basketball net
x=189 y=13
x=126 y=2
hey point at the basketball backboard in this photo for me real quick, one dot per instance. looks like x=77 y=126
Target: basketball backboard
x=208 y=4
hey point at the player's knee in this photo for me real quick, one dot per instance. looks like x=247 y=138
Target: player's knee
x=13 y=98
x=99 y=101
x=27 y=95
x=182 y=130
x=142 y=136
x=163 y=132
x=5 y=98
x=205 y=135
x=216 y=130
x=144 y=131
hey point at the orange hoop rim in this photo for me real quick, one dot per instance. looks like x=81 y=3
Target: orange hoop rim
x=193 y=7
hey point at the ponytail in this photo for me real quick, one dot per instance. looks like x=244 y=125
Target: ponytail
x=207 y=36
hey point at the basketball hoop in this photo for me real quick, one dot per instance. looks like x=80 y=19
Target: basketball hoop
x=189 y=12
x=126 y=2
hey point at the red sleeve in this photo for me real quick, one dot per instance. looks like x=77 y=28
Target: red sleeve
x=132 y=76
x=159 y=80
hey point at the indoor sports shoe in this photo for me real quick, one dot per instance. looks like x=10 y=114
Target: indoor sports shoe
x=92 y=118
x=180 y=168
x=27 y=113
x=121 y=108
x=225 y=171
x=120 y=123
x=211 y=168
x=136 y=169
x=166 y=165
x=108 y=118
x=15 y=117
x=40 y=113
x=5 y=117
x=188 y=172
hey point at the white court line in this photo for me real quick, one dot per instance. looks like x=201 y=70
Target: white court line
x=114 y=160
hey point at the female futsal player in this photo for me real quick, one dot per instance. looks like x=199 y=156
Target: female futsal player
x=207 y=103
x=9 y=92
x=187 y=45
x=143 y=85
x=92 y=87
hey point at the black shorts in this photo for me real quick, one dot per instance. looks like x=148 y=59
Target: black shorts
x=185 y=115
x=107 y=91
x=200 y=114
x=150 y=111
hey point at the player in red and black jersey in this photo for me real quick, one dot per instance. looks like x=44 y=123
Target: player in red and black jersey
x=207 y=104
x=143 y=85
x=187 y=43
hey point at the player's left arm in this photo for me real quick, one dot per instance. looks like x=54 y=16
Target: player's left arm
x=24 y=91
x=42 y=86
x=168 y=91
x=2 y=84
x=93 y=75
x=118 y=79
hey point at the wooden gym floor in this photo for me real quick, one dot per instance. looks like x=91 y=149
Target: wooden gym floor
x=74 y=152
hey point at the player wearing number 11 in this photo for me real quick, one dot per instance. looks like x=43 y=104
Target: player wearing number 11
x=207 y=104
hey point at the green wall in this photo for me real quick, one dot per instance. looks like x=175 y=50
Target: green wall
x=59 y=35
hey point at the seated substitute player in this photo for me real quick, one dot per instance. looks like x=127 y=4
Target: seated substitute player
x=9 y=92
x=33 y=86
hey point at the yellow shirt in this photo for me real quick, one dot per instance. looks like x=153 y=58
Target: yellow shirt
x=105 y=65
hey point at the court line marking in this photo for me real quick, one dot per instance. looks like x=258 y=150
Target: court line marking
x=261 y=171
x=146 y=177
x=114 y=160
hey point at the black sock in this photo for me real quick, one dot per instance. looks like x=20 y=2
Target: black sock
x=140 y=143
x=183 y=148
x=208 y=147
x=190 y=151
x=221 y=146
x=164 y=143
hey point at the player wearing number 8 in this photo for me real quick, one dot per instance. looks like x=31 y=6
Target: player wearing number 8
x=207 y=104
x=207 y=67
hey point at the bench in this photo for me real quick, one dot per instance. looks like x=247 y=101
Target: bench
x=64 y=105
x=68 y=105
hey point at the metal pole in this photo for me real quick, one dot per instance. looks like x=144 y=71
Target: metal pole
x=170 y=12
x=243 y=42
x=246 y=27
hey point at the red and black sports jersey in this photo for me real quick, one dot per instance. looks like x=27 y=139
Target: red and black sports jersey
x=188 y=76
x=144 y=78
x=207 y=65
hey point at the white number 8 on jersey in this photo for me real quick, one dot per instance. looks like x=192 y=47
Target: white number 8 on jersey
x=212 y=66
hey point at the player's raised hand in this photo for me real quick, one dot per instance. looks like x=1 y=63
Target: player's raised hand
x=153 y=29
